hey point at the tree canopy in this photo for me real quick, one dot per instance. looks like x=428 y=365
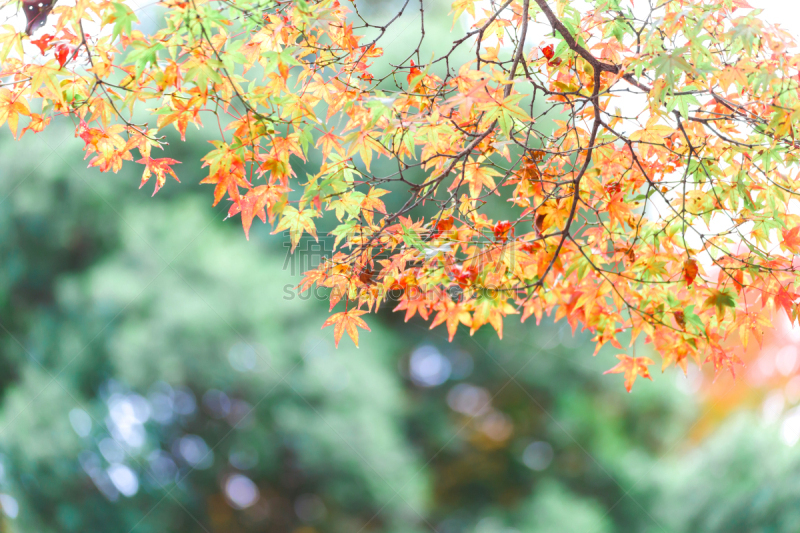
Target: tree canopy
x=630 y=167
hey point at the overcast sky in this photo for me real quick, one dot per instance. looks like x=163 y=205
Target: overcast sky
x=784 y=12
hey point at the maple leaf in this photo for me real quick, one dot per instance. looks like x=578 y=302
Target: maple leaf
x=786 y=300
x=412 y=304
x=618 y=209
x=62 y=54
x=632 y=367
x=442 y=226
x=689 y=271
x=413 y=72
x=227 y=180
x=347 y=321
x=183 y=112
x=723 y=360
x=297 y=222
x=364 y=144
x=459 y=6
x=791 y=239
x=258 y=202
x=330 y=142
x=45 y=78
x=502 y=230
x=109 y=146
x=720 y=299
x=680 y=318
x=505 y=112
x=43 y=42
x=464 y=275
x=371 y=204
x=477 y=176
x=37 y=124
x=492 y=312
x=737 y=277
x=453 y=313
x=12 y=105
x=10 y=39
x=651 y=137
x=160 y=167
x=226 y=170
x=751 y=324
x=474 y=94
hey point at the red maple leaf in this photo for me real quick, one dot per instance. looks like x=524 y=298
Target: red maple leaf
x=502 y=230
x=413 y=72
x=442 y=226
x=464 y=275
x=690 y=270
x=43 y=42
x=62 y=51
x=785 y=299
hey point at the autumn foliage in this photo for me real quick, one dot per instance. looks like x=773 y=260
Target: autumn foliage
x=645 y=158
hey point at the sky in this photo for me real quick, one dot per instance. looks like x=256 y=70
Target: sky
x=783 y=12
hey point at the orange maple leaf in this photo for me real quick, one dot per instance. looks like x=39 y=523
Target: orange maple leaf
x=452 y=313
x=791 y=239
x=412 y=304
x=330 y=142
x=346 y=321
x=371 y=204
x=36 y=125
x=477 y=177
x=618 y=209
x=253 y=203
x=491 y=312
x=723 y=360
x=184 y=111
x=228 y=179
x=160 y=167
x=632 y=367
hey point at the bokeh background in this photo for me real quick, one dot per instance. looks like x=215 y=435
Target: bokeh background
x=160 y=373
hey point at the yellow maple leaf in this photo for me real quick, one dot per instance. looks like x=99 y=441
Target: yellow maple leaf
x=346 y=321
